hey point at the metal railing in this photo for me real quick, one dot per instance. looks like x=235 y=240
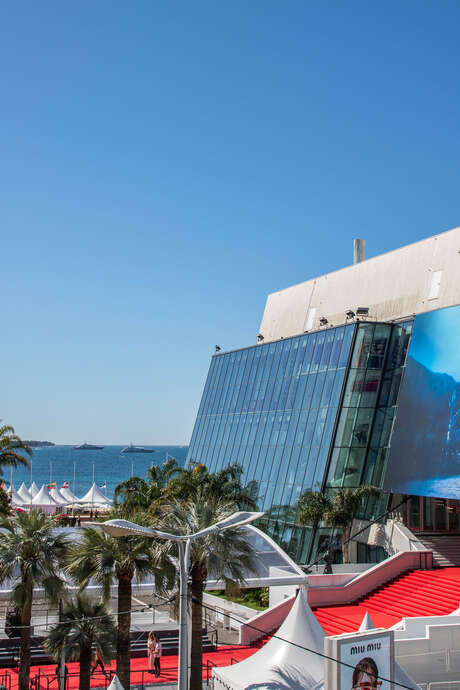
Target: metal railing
x=5 y=680
x=209 y=666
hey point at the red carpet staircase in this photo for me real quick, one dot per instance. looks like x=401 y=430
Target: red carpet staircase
x=445 y=548
x=416 y=593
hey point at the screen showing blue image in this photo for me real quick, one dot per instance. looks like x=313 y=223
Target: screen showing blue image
x=424 y=455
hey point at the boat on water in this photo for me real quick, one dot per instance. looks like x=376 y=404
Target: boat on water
x=88 y=446
x=136 y=449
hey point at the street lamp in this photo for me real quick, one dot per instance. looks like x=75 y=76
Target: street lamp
x=124 y=528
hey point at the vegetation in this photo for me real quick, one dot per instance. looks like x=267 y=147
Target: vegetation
x=12 y=449
x=84 y=624
x=337 y=511
x=107 y=561
x=30 y=556
x=5 y=503
x=256 y=598
x=227 y=555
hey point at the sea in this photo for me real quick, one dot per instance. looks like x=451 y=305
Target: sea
x=108 y=466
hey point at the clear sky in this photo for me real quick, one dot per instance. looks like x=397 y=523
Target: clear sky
x=165 y=165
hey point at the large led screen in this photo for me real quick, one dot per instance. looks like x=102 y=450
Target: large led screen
x=425 y=448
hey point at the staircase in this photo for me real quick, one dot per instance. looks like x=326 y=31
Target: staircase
x=445 y=548
x=416 y=593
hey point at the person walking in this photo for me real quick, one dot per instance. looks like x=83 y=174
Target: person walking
x=156 y=660
x=98 y=661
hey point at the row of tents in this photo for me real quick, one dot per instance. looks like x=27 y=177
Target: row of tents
x=48 y=500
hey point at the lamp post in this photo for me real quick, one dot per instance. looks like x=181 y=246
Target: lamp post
x=124 y=528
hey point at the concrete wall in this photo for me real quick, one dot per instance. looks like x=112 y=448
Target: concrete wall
x=417 y=278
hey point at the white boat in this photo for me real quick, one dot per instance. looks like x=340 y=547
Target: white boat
x=136 y=449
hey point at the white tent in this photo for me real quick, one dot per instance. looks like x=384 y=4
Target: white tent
x=68 y=494
x=24 y=493
x=44 y=501
x=280 y=664
x=115 y=684
x=95 y=497
x=33 y=489
x=366 y=623
x=58 y=497
x=16 y=499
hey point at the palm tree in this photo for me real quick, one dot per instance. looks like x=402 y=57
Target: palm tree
x=83 y=624
x=107 y=560
x=10 y=444
x=227 y=555
x=30 y=556
x=336 y=511
x=135 y=496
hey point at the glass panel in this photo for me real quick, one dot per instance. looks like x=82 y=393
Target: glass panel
x=362 y=346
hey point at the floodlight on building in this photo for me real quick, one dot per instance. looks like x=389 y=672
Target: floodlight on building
x=350 y=314
x=323 y=321
x=362 y=311
x=217 y=348
x=260 y=337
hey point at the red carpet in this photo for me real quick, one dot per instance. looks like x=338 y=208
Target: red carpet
x=223 y=657
x=417 y=593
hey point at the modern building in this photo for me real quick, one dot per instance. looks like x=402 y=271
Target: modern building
x=318 y=402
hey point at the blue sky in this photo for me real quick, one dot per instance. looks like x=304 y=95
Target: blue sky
x=166 y=165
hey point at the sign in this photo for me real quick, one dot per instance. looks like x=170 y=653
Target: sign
x=365 y=661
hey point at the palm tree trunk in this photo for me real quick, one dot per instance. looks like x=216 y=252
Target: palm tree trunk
x=124 y=629
x=85 y=667
x=345 y=546
x=24 y=649
x=198 y=576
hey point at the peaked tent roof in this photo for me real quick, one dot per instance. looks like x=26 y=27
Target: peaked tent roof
x=95 y=496
x=68 y=495
x=24 y=493
x=16 y=499
x=366 y=623
x=58 y=497
x=43 y=498
x=115 y=684
x=280 y=664
x=33 y=489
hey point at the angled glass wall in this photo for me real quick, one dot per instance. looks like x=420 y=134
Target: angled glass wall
x=272 y=408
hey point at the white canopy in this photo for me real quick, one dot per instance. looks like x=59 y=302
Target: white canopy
x=24 y=493
x=16 y=499
x=115 y=684
x=44 y=501
x=95 y=497
x=68 y=494
x=58 y=497
x=33 y=489
x=280 y=664
x=366 y=623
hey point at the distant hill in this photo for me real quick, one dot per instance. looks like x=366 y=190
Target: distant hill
x=39 y=444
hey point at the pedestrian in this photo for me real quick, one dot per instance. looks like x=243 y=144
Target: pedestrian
x=158 y=650
x=151 y=651
x=98 y=661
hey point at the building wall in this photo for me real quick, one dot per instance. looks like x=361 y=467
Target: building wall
x=413 y=279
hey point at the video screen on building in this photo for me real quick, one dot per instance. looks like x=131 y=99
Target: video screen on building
x=424 y=456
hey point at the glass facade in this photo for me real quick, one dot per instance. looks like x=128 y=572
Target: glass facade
x=308 y=412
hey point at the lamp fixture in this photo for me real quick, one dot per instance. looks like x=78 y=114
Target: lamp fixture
x=323 y=321
x=260 y=337
x=350 y=314
x=362 y=311
x=217 y=348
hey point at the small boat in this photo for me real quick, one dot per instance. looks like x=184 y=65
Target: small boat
x=136 y=449
x=88 y=446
